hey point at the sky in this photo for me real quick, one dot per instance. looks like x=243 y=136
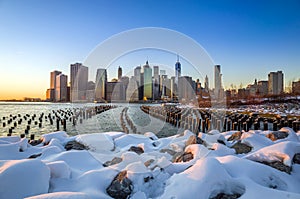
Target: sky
x=247 y=38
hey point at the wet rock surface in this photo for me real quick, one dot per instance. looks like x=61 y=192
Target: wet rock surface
x=75 y=145
x=121 y=187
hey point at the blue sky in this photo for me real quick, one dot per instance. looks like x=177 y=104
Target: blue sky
x=247 y=38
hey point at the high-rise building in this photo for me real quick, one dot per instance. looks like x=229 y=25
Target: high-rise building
x=132 y=94
x=147 y=81
x=186 y=91
x=119 y=73
x=296 y=87
x=51 y=96
x=115 y=91
x=262 y=88
x=206 y=84
x=61 y=90
x=90 y=91
x=172 y=82
x=79 y=80
x=156 y=83
x=139 y=78
x=100 y=84
x=218 y=81
x=275 y=83
x=177 y=69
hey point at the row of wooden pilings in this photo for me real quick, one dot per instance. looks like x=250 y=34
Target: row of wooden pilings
x=59 y=117
x=127 y=122
x=204 y=120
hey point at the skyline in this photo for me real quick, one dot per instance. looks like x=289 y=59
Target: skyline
x=248 y=39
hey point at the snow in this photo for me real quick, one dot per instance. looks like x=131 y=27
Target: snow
x=215 y=167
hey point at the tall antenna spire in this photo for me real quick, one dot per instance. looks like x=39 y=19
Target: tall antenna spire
x=177 y=57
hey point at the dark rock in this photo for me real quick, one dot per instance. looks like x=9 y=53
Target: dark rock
x=241 y=148
x=226 y=196
x=183 y=157
x=279 y=166
x=277 y=135
x=194 y=140
x=35 y=142
x=169 y=151
x=221 y=142
x=115 y=160
x=35 y=156
x=75 y=145
x=137 y=150
x=120 y=187
x=147 y=179
x=235 y=137
x=148 y=162
x=296 y=158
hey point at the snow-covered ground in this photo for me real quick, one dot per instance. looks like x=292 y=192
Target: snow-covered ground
x=144 y=166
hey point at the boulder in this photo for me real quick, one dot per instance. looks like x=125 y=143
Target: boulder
x=136 y=149
x=115 y=160
x=226 y=196
x=75 y=145
x=148 y=162
x=296 y=158
x=241 y=148
x=279 y=166
x=194 y=140
x=235 y=137
x=121 y=187
x=277 y=135
x=35 y=156
x=183 y=157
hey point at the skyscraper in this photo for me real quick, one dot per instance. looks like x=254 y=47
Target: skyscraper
x=206 y=85
x=177 y=69
x=61 y=90
x=147 y=81
x=119 y=73
x=139 y=78
x=156 y=83
x=218 y=85
x=52 y=90
x=79 y=80
x=275 y=83
x=100 y=84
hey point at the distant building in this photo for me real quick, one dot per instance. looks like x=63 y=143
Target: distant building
x=253 y=88
x=132 y=92
x=115 y=91
x=186 y=91
x=296 y=87
x=165 y=87
x=90 y=91
x=155 y=85
x=177 y=70
x=138 y=75
x=51 y=94
x=218 y=81
x=147 y=81
x=275 y=83
x=100 y=85
x=262 y=87
x=119 y=73
x=79 y=80
x=61 y=90
x=206 y=84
